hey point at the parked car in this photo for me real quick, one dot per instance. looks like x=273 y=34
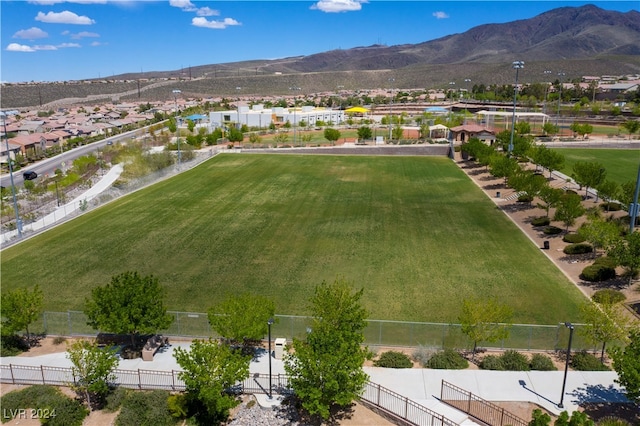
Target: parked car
x=29 y=175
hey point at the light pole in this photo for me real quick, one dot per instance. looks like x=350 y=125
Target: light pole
x=560 y=75
x=566 y=364
x=517 y=65
x=13 y=186
x=391 y=81
x=269 y=323
x=175 y=98
x=546 y=92
x=294 y=113
x=466 y=87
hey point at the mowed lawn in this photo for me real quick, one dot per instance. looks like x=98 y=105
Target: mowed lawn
x=621 y=164
x=414 y=232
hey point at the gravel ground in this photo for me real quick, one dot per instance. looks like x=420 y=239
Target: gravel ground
x=250 y=413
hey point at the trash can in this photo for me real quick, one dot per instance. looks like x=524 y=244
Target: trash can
x=546 y=245
x=498 y=194
x=280 y=342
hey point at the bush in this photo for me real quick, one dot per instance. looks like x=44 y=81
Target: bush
x=514 y=361
x=525 y=198
x=541 y=221
x=12 y=345
x=447 y=359
x=612 y=421
x=584 y=361
x=552 y=230
x=68 y=412
x=422 y=354
x=146 y=408
x=611 y=206
x=580 y=248
x=573 y=238
x=608 y=295
x=393 y=359
x=597 y=273
x=114 y=400
x=491 y=362
x=58 y=340
x=540 y=362
x=606 y=261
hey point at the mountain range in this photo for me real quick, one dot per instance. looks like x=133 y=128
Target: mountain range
x=578 y=41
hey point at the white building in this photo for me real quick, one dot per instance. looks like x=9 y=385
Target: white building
x=258 y=116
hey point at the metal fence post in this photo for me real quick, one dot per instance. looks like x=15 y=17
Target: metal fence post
x=69 y=323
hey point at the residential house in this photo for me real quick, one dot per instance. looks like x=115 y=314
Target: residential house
x=467 y=131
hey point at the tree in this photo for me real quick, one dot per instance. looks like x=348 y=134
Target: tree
x=550 y=129
x=631 y=126
x=397 y=132
x=502 y=166
x=326 y=367
x=92 y=368
x=364 y=133
x=20 y=308
x=600 y=232
x=569 y=208
x=242 y=319
x=588 y=174
x=550 y=197
x=626 y=251
x=523 y=128
x=603 y=323
x=209 y=368
x=609 y=191
x=527 y=181
x=484 y=321
x=235 y=135
x=626 y=362
x=331 y=134
x=129 y=304
x=547 y=158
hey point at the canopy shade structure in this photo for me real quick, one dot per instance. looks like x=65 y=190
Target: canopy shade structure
x=357 y=110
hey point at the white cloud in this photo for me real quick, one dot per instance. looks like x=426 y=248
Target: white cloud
x=15 y=47
x=205 y=11
x=334 y=6
x=65 y=17
x=83 y=34
x=440 y=15
x=97 y=43
x=187 y=6
x=65 y=45
x=216 y=25
x=31 y=34
x=44 y=47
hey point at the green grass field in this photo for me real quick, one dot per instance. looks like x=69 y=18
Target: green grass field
x=415 y=232
x=621 y=164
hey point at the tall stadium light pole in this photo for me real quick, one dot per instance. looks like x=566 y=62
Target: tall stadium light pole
x=391 y=81
x=566 y=363
x=13 y=186
x=269 y=323
x=517 y=65
x=466 y=87
x=560 y=76
x=175 y=99
x=546 y=92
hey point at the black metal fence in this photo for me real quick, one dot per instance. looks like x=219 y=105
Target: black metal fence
x=477 y=407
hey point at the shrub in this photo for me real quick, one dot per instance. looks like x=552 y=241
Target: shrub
x=514 y=361
x=393 y=359
x=12 y=345
x=149 y=408
x=612 y=421
x=540 y=362
x=447 y=359
x=422 y=354
x=573 y=238
x=606 y=261
x=552 y=230
x=584 y=361
x=541 y=221
x=113 y=401
x=58 y=340
x=597 y=273
x=580 y=248
x=525 y=198
x=608 y=295
x=68 y=412
x=611 y=206
x=491 y=362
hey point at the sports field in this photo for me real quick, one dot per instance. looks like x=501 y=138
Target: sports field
x=415 y=232
x=621 y=164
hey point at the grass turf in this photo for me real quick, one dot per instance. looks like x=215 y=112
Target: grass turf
x=621 y=164
x=415 y=232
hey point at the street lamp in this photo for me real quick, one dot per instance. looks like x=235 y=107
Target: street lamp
x=13 y=186
x=517 y=65
x=294 y=113
x=391 y=81
x=269 y=323
x=175 y=98
x=566 y=364
x=466 y=87
x=560 y=75
x=546 y=92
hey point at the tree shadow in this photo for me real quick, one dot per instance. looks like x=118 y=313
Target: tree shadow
x=600 y=410
x=337 y=414
x=598 y=394
x=516 y=207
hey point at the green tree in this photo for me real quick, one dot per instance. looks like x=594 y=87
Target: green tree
x=242 y=319
x=550 y=129
x=523 y=128
x=626 y=362
x=547 y=158
x=577 y=418
x=569 y=208
x=364 y=133
x=588 y=174
x=331 y=134
x=502 y=166
x=208 y=369
x=191 y=125
x=397 y=132
x=609 y=191
x=129 y=304
x=600 y=232
x=20 y=308
x=325 y=368
x=626 y=194
x=484 y=321
x=527 y=181
x=92 y=368
x=235 y=135
x=550 y=197
x=626 y=251
x=631 y=126
x=603 y=323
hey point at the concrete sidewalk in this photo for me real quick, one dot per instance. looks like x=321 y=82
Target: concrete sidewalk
x=423 y=385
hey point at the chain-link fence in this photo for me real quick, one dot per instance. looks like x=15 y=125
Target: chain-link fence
x=377 y=333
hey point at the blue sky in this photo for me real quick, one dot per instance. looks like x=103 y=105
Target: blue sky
x=51 y=40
